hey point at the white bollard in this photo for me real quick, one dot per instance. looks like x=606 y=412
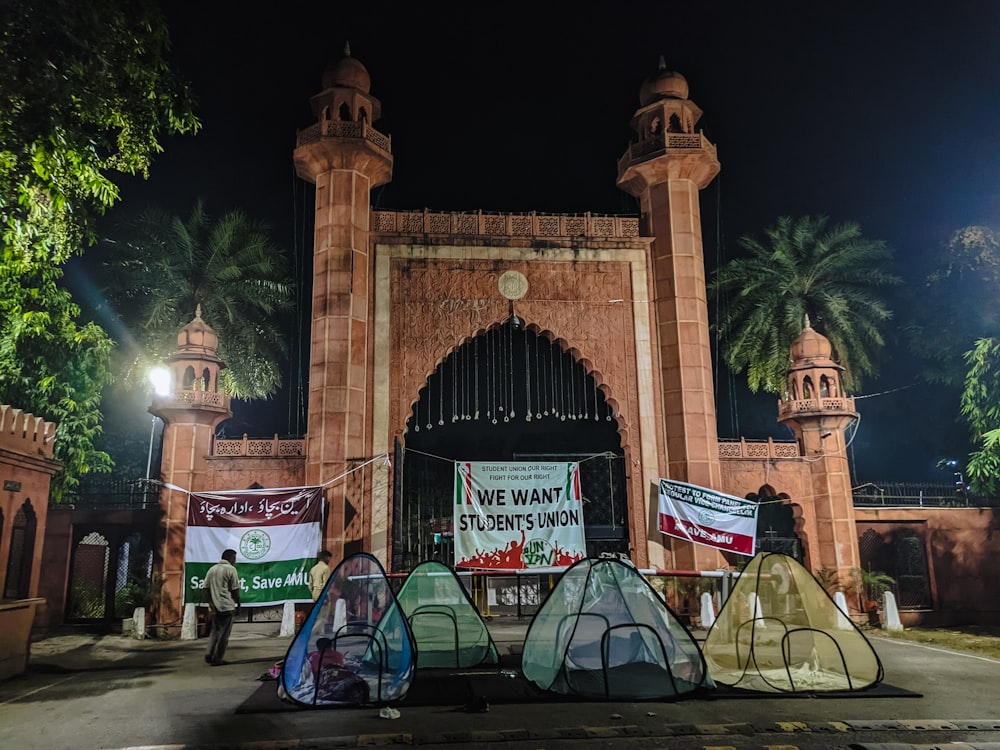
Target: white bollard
x=139 y=623
x=754 y=602
x=287 y=620
x=891 y=612
x=707 y=611
x=339 y=615
x=189 y=625
x=843 y=617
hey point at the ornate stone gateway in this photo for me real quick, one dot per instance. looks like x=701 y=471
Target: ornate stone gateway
x=507 y=395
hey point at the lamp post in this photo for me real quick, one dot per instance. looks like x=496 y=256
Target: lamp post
x=159 y=378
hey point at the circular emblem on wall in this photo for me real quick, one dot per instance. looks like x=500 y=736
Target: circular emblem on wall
x=512 y=284
x=255 y=544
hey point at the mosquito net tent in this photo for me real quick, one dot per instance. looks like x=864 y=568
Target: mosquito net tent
x=355 y=646
x=604 y=632
x=779 y=631
x=445 y=623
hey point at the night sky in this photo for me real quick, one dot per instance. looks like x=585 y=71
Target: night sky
x=886 y=116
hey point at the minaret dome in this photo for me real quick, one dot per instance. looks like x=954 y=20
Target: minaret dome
x=664 y=84
x=347 y=72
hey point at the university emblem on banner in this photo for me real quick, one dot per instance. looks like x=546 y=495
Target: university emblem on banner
x=255 y=544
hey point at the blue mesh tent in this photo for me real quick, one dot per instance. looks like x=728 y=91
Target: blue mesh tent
x=446 y=625
x=604 y=632
x=355 y=647
x=780 y=632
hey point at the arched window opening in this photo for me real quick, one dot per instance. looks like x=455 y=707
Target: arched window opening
x=807 y=387
x=675 y=124
x=824 y=386
x=362 y=115
x=22 y=552
x=345 y=112
x=206 y=379
x=188 y=382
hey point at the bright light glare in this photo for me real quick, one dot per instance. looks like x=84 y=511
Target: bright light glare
x=159 y=378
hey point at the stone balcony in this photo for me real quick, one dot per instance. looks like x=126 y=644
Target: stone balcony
x=821 y=405
x=665 y=143
x=344 y=129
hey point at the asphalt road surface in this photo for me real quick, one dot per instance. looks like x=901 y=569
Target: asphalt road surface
x=86 y=691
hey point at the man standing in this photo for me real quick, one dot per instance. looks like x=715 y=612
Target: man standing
x=318 y=574
x=222 y=584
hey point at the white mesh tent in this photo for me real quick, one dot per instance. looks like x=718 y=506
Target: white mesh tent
x=355 y=645
x=446 y=625
x=780 y=631
x=604 y=632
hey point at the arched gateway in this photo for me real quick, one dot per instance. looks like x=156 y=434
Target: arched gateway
x=435 y=336
x=401 y=298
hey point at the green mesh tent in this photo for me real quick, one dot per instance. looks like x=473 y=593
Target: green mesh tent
x=446 y=625
x=355 y=645
x=780 y=632
x=604 y=632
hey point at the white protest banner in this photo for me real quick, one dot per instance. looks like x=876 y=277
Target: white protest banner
x=510 y=516
x=275 y=534
x=707 y=517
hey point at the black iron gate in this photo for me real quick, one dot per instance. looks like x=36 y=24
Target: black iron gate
x=110 y=573
x=423 y=505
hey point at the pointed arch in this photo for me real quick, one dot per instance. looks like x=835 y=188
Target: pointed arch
x=20 y=557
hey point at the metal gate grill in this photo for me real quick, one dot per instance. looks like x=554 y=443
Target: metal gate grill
x=900 y=553
x=87 y=599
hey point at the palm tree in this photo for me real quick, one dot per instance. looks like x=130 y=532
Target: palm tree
x=802 y=268
x=230 y=267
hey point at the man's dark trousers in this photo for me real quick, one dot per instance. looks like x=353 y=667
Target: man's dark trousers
x=218 y=639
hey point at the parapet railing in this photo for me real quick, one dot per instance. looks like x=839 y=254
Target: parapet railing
x=259 y=447
x=769 y=448
x=344 y=129
x=642 y=150
x=823 y=403
x=510 y=225
x=918 y=495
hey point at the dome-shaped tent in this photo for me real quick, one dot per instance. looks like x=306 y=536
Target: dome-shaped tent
x=603 y=632
x=446 y=625
x=355 y=646
x=780 y=631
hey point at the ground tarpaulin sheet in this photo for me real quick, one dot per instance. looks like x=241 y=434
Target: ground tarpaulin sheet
x=470 y=688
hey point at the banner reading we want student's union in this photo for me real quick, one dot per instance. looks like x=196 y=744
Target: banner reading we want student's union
x=510 y=516
x=275 y=533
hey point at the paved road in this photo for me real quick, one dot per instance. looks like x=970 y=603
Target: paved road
x=112 y=692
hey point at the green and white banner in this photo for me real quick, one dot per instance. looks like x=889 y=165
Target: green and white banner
x=275 y=533
x=511 y=516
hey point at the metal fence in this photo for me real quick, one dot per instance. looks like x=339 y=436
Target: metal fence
x=112 y=494
x=919 y=495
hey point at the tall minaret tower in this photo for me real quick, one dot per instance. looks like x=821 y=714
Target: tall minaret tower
x=191 y=411
x=345 y=157
x=818 y=412
x=665 y=168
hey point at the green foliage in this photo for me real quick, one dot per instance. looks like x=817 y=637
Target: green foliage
x=52 y=366
x=85 y=94
x=872 y=583
x=980 y=405
x=802 y=268
x=957 y=305
x=166 y=266
x=85 y=91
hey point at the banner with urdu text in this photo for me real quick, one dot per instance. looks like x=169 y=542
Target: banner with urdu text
x=510 y=516
x=707 y=517
x=275 y=533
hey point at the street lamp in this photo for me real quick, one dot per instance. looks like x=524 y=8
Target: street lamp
x=962 y=490
x=159 y=378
